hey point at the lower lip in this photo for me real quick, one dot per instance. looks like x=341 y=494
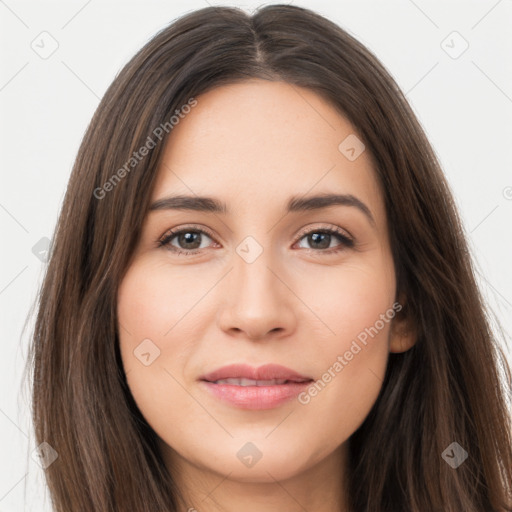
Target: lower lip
x=256 y=397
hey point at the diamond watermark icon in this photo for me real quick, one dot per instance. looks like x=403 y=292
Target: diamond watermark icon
x=351 y=147
x=249 y=454
x=146 y=352
x=41 y=249
x=45 y=45
x=249 y=249
x=454 y=45
x=454 y=455
x=44 y=455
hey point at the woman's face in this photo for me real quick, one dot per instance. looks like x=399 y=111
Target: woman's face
x=262 y=284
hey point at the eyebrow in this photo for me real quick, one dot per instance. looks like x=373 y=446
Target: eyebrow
x=295 y=204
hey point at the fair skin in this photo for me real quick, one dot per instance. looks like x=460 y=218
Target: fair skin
x=300 y=304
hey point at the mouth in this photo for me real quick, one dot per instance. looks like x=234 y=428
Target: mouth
x=267 y=372
x=254 y=395
x=244 y=387
x=251 y=382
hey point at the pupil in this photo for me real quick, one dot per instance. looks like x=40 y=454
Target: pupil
x=188 y=238
x=316 y=236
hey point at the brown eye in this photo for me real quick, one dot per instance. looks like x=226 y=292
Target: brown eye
x=185 y=240
x=322 y=238
x=189 y=241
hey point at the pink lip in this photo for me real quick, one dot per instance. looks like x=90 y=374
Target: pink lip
x=255 y=397
x=265 y=372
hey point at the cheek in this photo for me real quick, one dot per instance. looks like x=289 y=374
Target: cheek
x=348 y=299
x=146 y=302
x=356 y=310
x=158 y=309
x=155 y=301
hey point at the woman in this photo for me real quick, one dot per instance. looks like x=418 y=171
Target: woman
x=195 y=349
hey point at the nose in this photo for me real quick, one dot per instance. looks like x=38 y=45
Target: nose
x=258 y=302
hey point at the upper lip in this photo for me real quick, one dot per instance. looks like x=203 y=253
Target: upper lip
x=265 y=372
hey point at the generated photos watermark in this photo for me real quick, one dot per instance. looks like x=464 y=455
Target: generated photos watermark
x=343 y=360
x=144 y=150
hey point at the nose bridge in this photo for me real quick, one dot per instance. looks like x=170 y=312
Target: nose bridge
x=252 y=277
x=256 y=298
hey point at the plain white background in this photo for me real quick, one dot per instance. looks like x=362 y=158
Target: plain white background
x=462 y=97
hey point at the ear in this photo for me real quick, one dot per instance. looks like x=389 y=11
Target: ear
x=403 y=333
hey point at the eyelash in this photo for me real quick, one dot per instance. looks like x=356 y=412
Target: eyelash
x=346 y=241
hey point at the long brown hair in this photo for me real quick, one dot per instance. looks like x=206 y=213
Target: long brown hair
x=446 y=389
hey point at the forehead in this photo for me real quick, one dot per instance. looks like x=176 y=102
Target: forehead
x=262 y=141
